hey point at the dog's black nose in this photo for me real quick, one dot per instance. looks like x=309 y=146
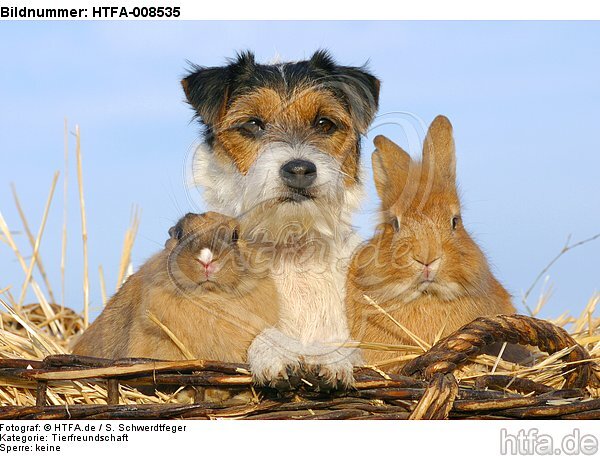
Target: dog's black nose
x=298 y=173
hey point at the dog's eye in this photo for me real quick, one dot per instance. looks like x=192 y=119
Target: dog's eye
x=455 y=222
x=252 y=127
x=396 y=224
x=325 y=125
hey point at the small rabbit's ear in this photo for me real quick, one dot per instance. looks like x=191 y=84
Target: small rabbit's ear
x=176 y=232
x=439 y=153
x=391 y=165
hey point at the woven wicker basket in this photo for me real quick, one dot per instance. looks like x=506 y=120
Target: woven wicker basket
x=428 y=388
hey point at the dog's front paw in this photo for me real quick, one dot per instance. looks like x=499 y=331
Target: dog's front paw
x=327 y=369
x=274 y=360
x=281 y=362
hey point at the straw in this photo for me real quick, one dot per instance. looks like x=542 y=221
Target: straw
x=84 y=236
x=130 y=235
x=29 y=234
x=63 y=247
x=38 y=241
x=102 y=285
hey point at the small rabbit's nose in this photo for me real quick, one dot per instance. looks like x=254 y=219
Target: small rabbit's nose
x=205 y=258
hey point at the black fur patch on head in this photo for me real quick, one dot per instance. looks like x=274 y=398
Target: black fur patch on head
x=210 y=90
x=355 y=85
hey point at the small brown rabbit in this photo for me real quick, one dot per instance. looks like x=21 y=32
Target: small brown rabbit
x=421 y=266
x=201 y=287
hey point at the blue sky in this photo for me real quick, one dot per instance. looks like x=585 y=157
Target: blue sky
x=523 y=97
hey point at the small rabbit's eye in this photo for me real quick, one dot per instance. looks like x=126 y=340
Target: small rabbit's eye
x=396 y=224
x=235 y=236
x=455 y=222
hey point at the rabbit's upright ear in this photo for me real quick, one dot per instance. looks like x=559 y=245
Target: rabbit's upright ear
x=391 y=165
x=439 y=155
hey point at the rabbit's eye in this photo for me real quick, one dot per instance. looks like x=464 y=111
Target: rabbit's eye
x=455 y=222
x=396 y=224
x=235 y=236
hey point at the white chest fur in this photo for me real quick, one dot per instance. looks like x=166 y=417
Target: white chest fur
x=311 y=289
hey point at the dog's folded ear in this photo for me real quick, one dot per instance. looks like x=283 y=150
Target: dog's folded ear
x=359 y=86
x=364 y=100
x=207 y=88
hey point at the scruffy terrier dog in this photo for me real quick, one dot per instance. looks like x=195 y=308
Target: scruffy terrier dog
x=281 y=153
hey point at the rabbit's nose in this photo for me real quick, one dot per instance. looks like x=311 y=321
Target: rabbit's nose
x=429 y=267
x=206 y=257
x=427 y=261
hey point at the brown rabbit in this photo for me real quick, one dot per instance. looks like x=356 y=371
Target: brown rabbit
x=202 y=287
x=421 y=266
